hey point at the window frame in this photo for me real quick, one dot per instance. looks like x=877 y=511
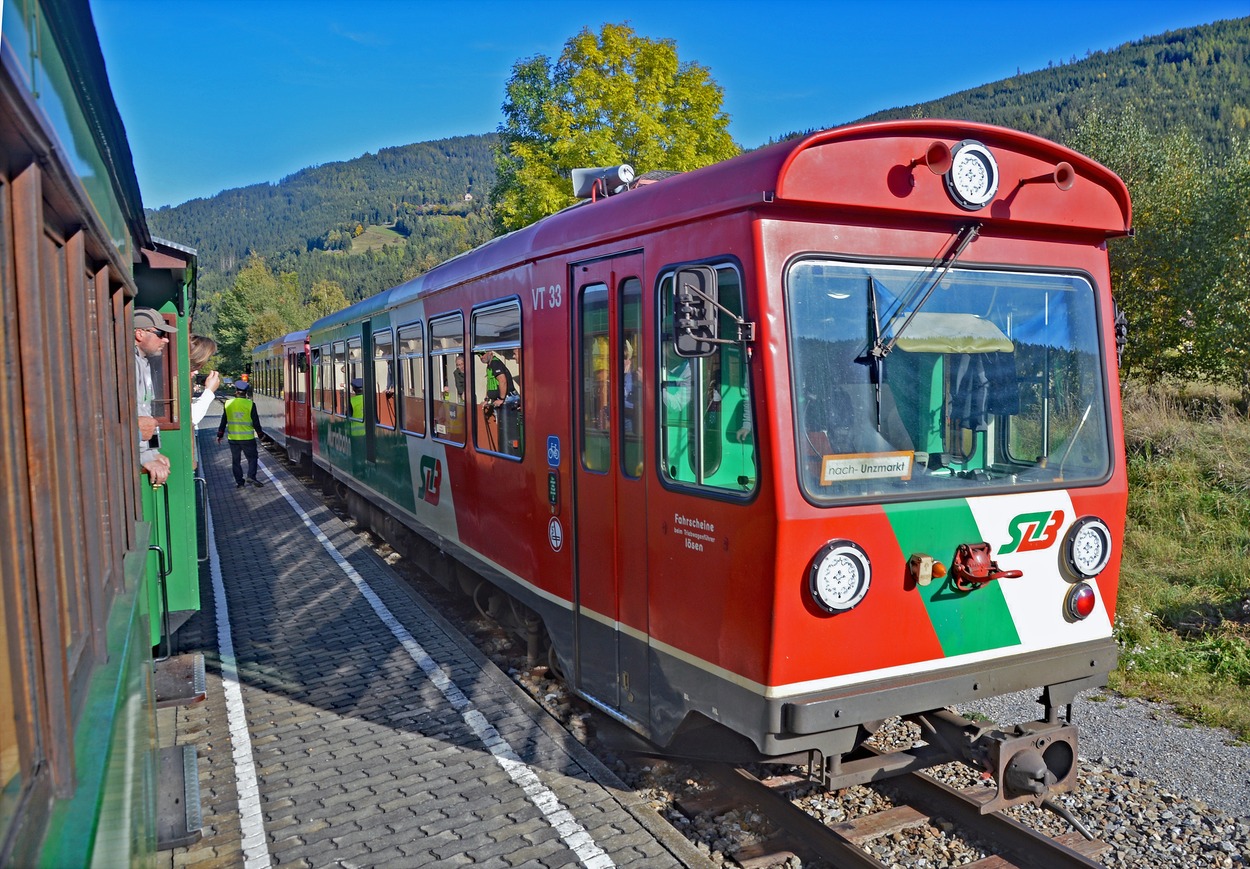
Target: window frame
x=988 y=446
x=436 y=352
x=406 y=363
x=339 y=378
x=668 y=360
x=379 y=391
x=481 y=433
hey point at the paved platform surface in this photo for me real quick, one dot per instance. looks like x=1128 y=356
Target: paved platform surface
x=347 y=725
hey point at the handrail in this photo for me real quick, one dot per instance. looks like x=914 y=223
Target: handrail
x=201 y=533
x=166 y=565
x=165 y=639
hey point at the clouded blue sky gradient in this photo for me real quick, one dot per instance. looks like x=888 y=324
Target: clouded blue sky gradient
x=218 y=94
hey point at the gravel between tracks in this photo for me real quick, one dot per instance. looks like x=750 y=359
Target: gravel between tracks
x=1149 y=740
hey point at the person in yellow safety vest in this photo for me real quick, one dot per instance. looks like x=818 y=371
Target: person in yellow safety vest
x=356 y=406
x=241 y=423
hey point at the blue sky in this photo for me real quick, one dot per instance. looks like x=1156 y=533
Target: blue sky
x=218 y=94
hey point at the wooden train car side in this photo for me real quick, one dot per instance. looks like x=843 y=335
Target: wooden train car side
x=775 y=449
x=80 y=589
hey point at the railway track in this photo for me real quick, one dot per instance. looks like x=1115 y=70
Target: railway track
x=919 y=800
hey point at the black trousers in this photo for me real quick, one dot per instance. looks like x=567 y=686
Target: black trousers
x=239 y=449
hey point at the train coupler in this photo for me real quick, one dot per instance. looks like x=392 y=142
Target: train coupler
x=1028 y=761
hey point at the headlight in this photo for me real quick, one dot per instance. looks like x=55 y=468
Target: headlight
x=1087 y=546
x=839 y=576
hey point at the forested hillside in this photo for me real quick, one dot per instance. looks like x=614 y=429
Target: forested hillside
x=306 y=223
x=1196 y=79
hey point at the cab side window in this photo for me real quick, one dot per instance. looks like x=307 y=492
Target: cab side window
x=707 y=424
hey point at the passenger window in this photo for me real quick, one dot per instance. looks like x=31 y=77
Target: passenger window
x=315 y=398
x=447 y=378
x=384 y=379
x=339 y=378
x=707 y=424
x=633 y=370
x=499 y=424
x=412 y=379
x=593 y=317
x=297 y=377
x=354 y=397
x=325 y=383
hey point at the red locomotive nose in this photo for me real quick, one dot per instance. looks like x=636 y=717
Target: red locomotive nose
x=973 y=567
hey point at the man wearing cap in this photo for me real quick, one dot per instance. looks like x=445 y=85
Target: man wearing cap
x=241 y=423
x=151 y=336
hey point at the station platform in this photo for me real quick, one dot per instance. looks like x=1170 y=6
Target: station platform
x=346 y=724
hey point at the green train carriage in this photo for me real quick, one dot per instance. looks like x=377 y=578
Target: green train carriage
x=82 y=595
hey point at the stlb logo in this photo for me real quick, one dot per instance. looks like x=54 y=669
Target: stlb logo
x=431 y=479
x=1031 y=531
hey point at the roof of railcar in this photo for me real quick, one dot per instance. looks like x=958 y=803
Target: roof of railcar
x=364 y=308
x=774 y=174
x=281 y=341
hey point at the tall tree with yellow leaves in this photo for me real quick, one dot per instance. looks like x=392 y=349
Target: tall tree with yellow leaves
x=612 y=97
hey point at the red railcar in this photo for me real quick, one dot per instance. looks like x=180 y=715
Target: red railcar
x=281 y=380
x=776 y=449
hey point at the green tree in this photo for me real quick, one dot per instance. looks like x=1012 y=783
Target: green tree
x=256 y=308
x=1183 y=278
x=325 y=298
x=614 y=97
x=266 y=326
x=1221 y=340
x=1156 y=275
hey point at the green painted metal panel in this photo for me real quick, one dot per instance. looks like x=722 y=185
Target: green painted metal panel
x=110 y=819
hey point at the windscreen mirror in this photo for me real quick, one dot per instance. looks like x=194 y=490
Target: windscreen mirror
x=695 y=312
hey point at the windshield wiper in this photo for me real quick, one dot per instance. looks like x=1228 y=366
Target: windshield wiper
x=1075 y=435
x=880 y=347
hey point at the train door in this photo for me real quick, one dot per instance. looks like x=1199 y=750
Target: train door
x=612 y=352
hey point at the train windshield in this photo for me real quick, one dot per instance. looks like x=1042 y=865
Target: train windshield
x=990 y=379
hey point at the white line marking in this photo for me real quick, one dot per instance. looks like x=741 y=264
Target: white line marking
x=251 y=821
x=561 y=820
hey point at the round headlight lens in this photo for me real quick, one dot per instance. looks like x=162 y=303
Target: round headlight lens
x=839 y=576
x=1088 y=546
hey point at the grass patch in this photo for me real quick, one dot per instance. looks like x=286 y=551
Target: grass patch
x=374 y=237
x=1183 y=618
